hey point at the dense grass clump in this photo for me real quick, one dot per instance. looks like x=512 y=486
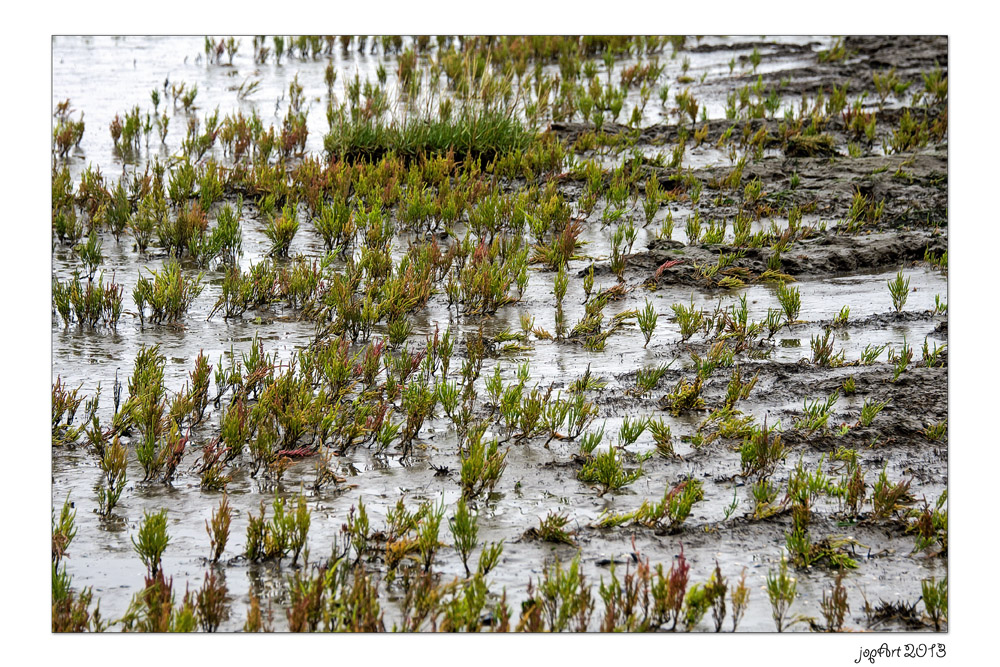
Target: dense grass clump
x=482 y=135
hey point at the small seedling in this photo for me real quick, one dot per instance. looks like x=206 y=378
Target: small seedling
x=732 y=507
x=647 y=321
x=790 y=301
x=870 y=410
x=940 y=307
x=841 y=319
x=817 y=412
x=871 y=354
x=899 y=290
x=900 y=359
x=936 y=431
x=931 y=357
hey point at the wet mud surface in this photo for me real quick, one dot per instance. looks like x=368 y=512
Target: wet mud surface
x=831 y=263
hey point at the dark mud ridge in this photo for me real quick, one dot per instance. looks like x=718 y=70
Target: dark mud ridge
x=821 y=255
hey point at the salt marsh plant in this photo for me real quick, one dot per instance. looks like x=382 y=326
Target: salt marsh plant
x=790 y=302
x=935 y=596
x=817 y=412
x=183 y=231
x=153 y=609
x=147 y=219
x=552 y=528
x=773 y=322
x=152 y=540
x=167 y=293
x=685 y=396
x=841 y=319
x=71 y=610
x=932 y=357
x=888 y=498
x=666 y=515
x=257 y=620
x=834 y=605
x=590 y=440
x=870 y=410
x=630 y=431
x=693 y=229
x=662 y=437
x=256 y=288
x=761 y=452
x=281 y=230
x=67 y=132
x=900 y=359
x=211 y=602
x=737 y=389
x=90 y=304
x=427 y=534
x=335 y=223
x=227 y=237
x=899 y=290
x=822 y=350
x=145 y=408
x=562 y=601
x=647 y=378
x=218 y=529
x=90 y=254
x=479 y=132
x=936 y=431
x=702 y=597
x=284 y=534
x=464 y=531
x=647 y=321
x=482 y=465
x=781 y=591
x=607 y=470
x=63 y=531
x=688 y=318
x=930 y=525
x=113 y=463
x=871 y=354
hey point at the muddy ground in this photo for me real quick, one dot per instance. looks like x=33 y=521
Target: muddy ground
x=831 y=269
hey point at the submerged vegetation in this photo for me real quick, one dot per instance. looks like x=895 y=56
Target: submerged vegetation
x=376 y=344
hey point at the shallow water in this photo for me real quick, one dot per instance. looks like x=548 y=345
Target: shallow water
x=105 y=76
